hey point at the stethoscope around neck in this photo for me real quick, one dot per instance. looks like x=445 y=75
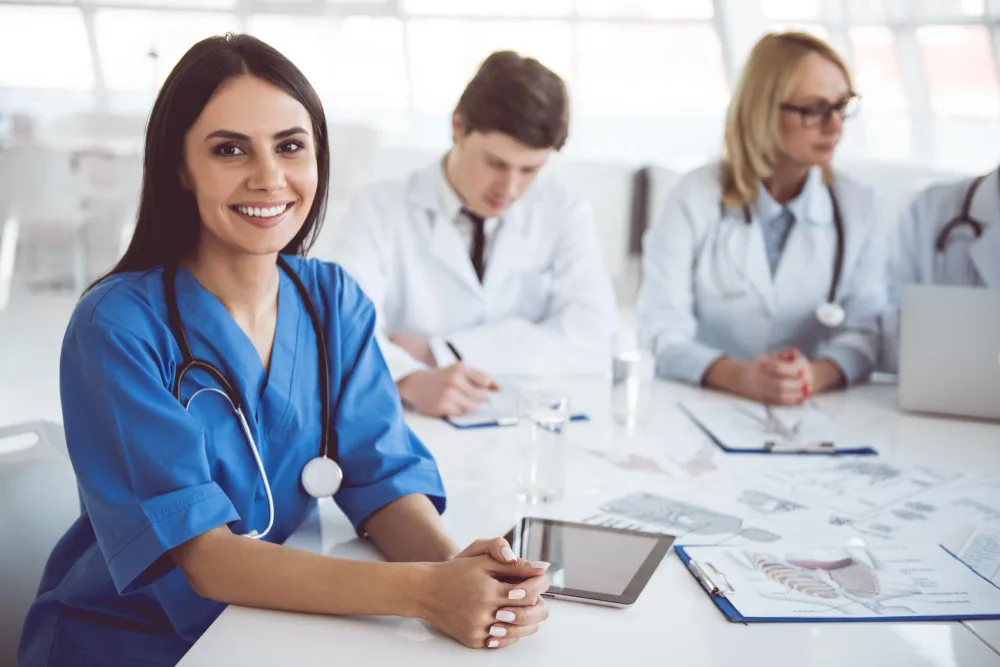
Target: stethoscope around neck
x=829 y=313
x=322 y=476
x=964 y=218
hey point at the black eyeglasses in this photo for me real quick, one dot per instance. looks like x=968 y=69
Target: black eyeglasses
x=821 y=114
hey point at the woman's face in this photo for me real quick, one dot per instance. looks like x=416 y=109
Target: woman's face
x=250 y=160
x=812 y=120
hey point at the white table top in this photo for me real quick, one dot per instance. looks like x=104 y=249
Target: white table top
x=673 y=616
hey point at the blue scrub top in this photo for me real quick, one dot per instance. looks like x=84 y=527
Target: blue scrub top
x=153 y=475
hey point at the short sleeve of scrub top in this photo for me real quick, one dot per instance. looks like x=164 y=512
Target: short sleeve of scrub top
x=140 y=457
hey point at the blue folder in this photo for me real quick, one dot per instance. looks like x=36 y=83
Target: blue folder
x=734 y=616
x=472 y=421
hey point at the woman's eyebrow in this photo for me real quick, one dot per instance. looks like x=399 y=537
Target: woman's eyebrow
x=237 y=136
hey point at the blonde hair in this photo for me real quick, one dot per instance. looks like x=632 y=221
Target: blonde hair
x=752 y=124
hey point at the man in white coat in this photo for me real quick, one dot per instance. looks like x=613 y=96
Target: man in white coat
x=948 y=235
x=475 y=269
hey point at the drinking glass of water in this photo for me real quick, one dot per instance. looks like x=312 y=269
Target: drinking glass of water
x=541 y=471
x=631 y=385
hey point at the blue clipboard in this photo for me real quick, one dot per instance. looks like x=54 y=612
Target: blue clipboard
x=734 y=616
x=780 y=451
x=471 y=422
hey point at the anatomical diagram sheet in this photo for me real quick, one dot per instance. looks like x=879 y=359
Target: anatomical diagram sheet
x=787 y=581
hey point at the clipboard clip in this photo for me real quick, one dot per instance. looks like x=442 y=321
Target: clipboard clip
x=709 y=581
x=826 y=447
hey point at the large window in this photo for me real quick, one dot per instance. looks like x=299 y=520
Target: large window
x=139 y=47
x=355 y=63
x=44 y=47
x=961 y=70
x=876 y=70
x=642 y=69
x=445 y=53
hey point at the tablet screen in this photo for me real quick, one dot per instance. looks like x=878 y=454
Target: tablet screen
x=591 y=559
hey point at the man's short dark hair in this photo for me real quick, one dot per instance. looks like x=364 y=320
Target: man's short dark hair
x=519 y=97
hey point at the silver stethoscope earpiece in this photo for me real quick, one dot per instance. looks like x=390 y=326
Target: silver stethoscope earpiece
x=322 y=476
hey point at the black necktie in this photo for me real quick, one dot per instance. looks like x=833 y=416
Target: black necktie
x=478 y=241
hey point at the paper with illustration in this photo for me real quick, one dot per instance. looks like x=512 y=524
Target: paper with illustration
x=789 y=581
x=741 y=425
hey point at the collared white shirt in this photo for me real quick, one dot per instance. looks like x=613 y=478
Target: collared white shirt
x=451 y=208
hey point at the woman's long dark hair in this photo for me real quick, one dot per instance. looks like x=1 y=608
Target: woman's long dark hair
x=167 y=223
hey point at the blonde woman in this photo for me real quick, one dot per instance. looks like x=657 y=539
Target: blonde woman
x=764 y=274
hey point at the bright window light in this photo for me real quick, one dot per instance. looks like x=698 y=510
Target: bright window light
x=57 y=56
x=639 y=70
x=866 y=10
x=876 y=70
x=820 y=31
x=961 y=71
x=180 y=4
x=445 y=53
x=665 y=9
x=354 y=63
x=937 y=9
x=139 y=47
x=792 y=10
x=459 y=8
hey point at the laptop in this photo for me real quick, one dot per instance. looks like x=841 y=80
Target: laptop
x=949 y=352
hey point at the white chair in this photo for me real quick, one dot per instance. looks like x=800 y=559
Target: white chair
x=38 y=502
x=41 y=188
x=9 y=232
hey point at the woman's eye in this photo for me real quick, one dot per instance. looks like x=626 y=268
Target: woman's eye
x=291 y=147
x=228 y=150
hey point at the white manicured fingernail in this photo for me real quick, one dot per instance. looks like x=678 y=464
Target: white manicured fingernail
x=505 y=616
x=508 y=554
x=493 y=643
x=539 y=565
x=497 y=631
x=516 y=594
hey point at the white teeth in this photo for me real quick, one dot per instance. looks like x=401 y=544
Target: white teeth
x=267 y=212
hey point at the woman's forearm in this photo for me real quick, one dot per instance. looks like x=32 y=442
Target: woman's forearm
x=237 y=570
x=410 y=529
x=725 y=374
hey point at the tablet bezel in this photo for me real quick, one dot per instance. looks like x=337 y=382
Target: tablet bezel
x=639 y=579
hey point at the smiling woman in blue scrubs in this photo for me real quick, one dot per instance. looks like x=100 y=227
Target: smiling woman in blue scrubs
x=236 y=169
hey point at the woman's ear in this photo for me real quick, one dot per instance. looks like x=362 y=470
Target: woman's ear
x=184 y=178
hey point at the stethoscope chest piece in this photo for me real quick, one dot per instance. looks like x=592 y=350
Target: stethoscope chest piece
x=322 y=477
x=830 y=314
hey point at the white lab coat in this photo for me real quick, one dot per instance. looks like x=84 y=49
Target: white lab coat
x=545 y=305
x=965 y=261
x=707 y=289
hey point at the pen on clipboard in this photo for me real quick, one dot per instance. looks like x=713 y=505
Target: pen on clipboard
x=458 y=357
x=454 y=350
x=705 y=580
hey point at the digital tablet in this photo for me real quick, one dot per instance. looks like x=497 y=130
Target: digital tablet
x=595 y=564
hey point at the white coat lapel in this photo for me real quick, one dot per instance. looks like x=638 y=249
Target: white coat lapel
x=806 y=262
x=745 y=246
x=985 y=251
x=443 y=239
x=985 y=255
x=510 y=249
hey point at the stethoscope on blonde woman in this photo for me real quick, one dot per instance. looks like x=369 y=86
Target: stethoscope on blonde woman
x=829 y=313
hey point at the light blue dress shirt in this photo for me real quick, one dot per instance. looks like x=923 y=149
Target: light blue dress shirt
x=777 y=221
